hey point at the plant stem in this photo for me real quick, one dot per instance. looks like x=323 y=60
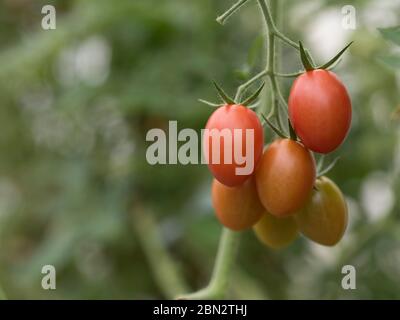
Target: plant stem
x=218 y=285
x=273 y=32
x=227 y=14
x=271 y=61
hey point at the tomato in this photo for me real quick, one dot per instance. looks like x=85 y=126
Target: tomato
x=231 y=117
x=285 y=177
x=324 y=217
x=276 y=232
x=237 y=208
x=320 y=110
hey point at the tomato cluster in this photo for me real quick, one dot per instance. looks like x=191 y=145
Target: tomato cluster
x=283 y=195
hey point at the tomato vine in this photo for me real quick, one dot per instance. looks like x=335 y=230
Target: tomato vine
x=227 y=250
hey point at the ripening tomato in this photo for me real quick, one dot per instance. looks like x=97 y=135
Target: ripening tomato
x=237 y=208
x=324 y=218
x=276 y=232
x=320 y=110
x=240 y=148
x=285 y=177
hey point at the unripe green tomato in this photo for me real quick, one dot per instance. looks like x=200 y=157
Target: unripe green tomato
x=276 y=232
x=324 y=217
x=237 y=208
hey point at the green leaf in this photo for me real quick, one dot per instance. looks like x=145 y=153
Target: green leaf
x=390 y=61
x=254 y=96
x=304 y=58
x=335 y=58
x=275 y=129
x=292 y=133
x=227 y=99
x=391 y=34
x=211 y=104
x=328 y=168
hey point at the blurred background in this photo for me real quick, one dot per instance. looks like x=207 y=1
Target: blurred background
x=76 y=191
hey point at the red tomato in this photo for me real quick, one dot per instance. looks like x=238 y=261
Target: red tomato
x=231 y=117
x=285 y=177
x=320 y=110
x=237 y=208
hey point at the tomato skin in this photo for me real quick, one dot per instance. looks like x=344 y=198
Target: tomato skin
x=274 y=232
x=324 y=218
x=285 y=177
x=233 y=117
x=320 y=110
x=237 y=208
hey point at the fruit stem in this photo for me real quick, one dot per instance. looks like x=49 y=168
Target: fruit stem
x=227 y=250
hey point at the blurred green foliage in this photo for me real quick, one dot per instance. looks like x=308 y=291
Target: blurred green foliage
x=75 y=187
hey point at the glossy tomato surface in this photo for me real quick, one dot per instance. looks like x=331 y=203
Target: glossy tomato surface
x=276 y=232
x=320 y=110
x=324 y=217
x=237 y=208
x=285 y=177
x=229 y=118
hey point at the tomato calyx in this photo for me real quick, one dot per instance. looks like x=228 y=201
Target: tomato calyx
x=250 y=102
x=335 y=58
x=308 y=65
x=273 y=127
x=223 y=95
x=252 y=98
x=292 y=134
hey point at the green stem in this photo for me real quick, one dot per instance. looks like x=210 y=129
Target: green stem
x=285 y=39
x=273 y=32
x=218 y=285
x=271 y=60
x=225 y=16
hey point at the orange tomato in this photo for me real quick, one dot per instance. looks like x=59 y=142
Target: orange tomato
x=237 y=208
x=285 y=177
